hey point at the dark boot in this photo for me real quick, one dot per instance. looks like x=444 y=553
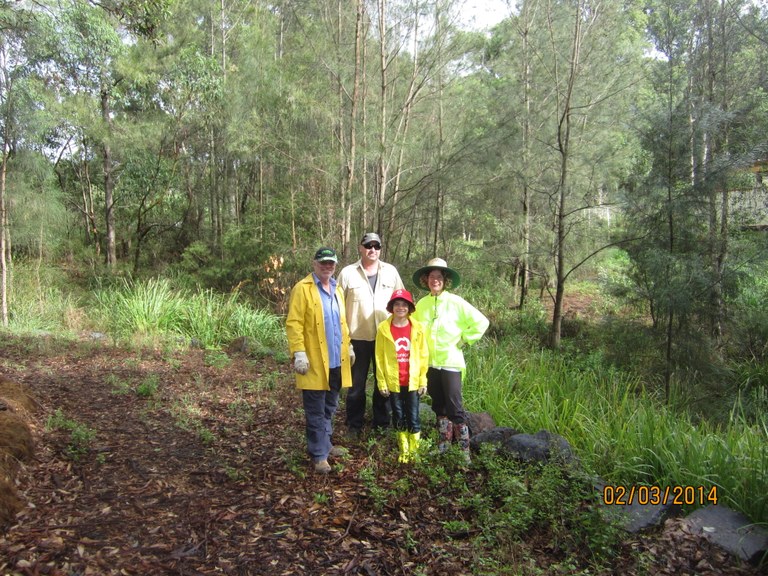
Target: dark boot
x=445 y=429
x=461 y=434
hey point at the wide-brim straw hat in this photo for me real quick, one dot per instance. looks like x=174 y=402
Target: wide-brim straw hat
x=451 y=276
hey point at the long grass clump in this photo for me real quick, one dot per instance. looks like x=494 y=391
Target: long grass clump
x=153 y=309
x=216 y=319
x=618 y=430
x=37 y=303
x=134 y=308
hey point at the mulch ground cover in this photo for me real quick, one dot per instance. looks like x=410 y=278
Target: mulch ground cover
x=195 y=465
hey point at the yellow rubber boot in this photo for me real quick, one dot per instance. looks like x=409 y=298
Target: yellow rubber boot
x=413 y=445
x=402 y=442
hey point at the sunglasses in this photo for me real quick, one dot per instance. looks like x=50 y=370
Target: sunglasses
x=372 y=245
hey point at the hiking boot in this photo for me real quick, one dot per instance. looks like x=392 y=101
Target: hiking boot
x=461 y=433
x=322 y=467
x=354 y=433
x=445 y=430
x=338 y=451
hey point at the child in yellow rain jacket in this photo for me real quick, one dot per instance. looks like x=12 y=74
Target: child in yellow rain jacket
x=401 y=370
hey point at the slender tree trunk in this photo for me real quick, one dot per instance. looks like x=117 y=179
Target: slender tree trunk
x=439 y=192
x=524 y=261
x=109 y=184
x=348 y=145
x=563 y=144
x=382 y=174
x=4 y=232
x=366 y=219
x=721 y=233
x=671 y=240
x=4 y=261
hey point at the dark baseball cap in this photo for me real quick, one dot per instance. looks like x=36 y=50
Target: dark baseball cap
x=370 y=237
x=326 y=255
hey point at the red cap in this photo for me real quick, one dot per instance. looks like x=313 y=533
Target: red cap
x=401 y=294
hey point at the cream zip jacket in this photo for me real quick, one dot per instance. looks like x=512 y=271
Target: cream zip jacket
x=366 y=308
x=387 y=370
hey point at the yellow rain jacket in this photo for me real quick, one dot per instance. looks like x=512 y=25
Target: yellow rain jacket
x=305 y=329
x=387 y=370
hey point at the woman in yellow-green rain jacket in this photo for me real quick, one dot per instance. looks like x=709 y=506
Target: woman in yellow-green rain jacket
x=451 y=323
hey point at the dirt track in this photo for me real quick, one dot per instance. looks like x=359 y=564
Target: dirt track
x=197 y=467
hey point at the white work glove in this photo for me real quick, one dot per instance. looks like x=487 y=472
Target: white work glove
x=384 y=392
x=351 y=355
x=422 y=390
x=301 y=362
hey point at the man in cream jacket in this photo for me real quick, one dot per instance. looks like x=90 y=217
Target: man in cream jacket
x=367 y=286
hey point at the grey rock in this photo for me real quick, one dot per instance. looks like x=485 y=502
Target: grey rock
x=540 y=447
x=479 y=422
x=731 y=531
x=497 y=435
x=632 y=517
x=426 y=415
x=240 y=345
x=527 y=448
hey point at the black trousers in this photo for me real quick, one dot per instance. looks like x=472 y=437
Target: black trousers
x=356 y=395
x=444 y=387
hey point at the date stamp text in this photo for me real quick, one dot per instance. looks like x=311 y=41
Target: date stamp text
x=687 y=495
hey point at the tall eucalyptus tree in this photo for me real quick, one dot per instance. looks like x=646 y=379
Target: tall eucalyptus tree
x=700 y=140
x=24 y=121
x=568 y=70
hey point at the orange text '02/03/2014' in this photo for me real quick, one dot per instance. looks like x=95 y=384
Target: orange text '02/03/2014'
x=686 y=495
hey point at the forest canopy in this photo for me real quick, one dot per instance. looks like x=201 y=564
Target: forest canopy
x=220 y=144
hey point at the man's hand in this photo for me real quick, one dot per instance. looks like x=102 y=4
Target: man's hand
x=301 y=363
x=422 y=390
x=351 y=355
x=384 y=392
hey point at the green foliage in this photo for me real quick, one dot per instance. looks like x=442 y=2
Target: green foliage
x=118 y=385
x=79 y=435
x=378 y=493
x=320 y=498
x=749 y=337
x=153 y=309
x=42 y=217
x=216 y=320
x=216 y=359
x=139 y=308
x=751 y=379
x=40 y=299
x=241 y=411
x=237 y=265
x=518 y=501
x=188 y=415
x=149 y=386
x=618 y=429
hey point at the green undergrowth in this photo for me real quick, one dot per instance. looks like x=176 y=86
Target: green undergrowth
x=153 y=309
x=618 y=429
x=503 y=508
x=78 y=436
